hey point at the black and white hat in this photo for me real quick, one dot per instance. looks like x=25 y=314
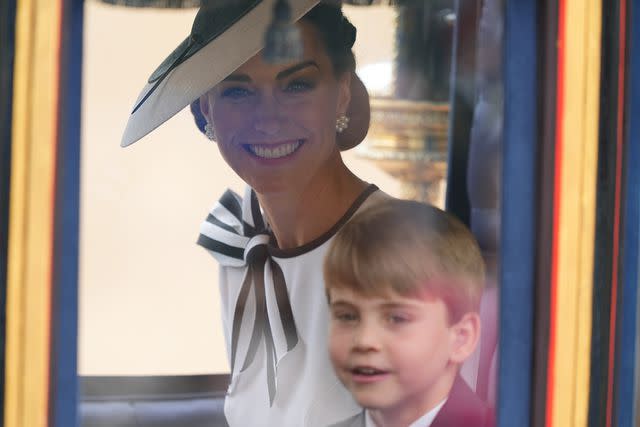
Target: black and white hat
x=224 y=35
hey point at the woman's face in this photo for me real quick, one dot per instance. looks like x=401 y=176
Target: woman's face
x=275 y=124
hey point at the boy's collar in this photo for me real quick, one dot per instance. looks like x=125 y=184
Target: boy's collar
x=424 y=421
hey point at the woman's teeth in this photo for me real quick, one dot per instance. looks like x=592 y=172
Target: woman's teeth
x=275 y=152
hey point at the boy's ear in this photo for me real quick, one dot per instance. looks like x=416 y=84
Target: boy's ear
x=466 y=334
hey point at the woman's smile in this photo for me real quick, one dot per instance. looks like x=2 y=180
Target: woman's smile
x=275 y=124
x=274 y=150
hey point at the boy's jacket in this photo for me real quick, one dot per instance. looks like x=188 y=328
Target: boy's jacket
x=462 y=409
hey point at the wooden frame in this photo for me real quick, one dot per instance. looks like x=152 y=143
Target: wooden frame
x=41 y=276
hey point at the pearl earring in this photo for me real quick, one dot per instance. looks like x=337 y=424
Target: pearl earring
x=208 y=130
x=342 y=122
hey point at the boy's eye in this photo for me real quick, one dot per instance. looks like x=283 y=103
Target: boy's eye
x=299 y=85
x=345 y=316
x=397 y=318
x=236 y=93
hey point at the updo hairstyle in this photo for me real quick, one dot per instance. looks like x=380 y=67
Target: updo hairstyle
x=337 y=33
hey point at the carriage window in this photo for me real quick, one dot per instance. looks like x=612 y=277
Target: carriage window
x=149 y=303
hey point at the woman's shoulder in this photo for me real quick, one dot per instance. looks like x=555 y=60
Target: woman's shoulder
x=376 y=197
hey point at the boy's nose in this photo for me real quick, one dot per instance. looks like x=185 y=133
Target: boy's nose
x=365 y=337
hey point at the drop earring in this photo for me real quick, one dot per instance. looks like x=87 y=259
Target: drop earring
x=342 y=122
x=208 y=130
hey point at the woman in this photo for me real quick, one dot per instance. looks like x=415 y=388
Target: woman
x=276 y=125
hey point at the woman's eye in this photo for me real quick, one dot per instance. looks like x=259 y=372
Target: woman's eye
x=299 y=85
x=236 y=93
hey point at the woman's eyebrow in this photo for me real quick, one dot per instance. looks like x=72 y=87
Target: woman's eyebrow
x=295 y=68
x=281 y=75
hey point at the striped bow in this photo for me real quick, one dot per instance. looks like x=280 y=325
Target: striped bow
x=236 y=235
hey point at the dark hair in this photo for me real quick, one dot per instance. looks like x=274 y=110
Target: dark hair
x=337 y=33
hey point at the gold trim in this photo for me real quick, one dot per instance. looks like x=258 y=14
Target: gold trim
x=576 y=218
x=408 y=140
x=30 y=216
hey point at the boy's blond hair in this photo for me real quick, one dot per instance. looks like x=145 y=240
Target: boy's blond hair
x=410 y=248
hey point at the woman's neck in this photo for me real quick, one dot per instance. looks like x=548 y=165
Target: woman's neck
x=299 y=216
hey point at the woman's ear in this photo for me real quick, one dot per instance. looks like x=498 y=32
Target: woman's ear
x=466 y=334
x=204 y=105
x=344 y=94
x=359 y=112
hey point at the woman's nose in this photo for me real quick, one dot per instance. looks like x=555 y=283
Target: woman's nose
x=267 y=125
x=267 y=116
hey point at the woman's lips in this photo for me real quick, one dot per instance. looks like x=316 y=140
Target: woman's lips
x=274 y=151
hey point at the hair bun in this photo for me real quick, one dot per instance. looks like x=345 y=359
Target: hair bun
x=348 y=33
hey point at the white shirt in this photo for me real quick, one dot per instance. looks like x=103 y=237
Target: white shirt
x=308 y=393
x=423 y=421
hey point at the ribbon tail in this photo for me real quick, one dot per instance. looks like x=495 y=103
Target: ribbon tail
x=238 y=314
x=253 y=348
x=253 y=344
x=271 y=364
x=284 y=306
x=258 y=257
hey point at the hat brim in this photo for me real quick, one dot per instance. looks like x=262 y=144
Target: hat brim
x=204 y=69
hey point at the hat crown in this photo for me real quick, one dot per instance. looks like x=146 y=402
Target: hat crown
x=213 y=18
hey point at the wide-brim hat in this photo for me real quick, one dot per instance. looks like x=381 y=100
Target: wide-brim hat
x=222 y=39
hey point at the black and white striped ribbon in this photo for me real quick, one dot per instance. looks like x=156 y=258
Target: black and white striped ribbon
x=236 y=235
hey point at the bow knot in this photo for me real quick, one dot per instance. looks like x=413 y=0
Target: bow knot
x=256 y=248
x=236 y=235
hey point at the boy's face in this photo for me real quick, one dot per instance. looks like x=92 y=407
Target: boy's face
x=395 y=354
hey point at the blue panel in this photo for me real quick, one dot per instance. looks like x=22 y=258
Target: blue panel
x=7 y=54
x=64 y=383
x=519 y=208
x=627 y=353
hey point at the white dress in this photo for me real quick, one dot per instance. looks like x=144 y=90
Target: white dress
x=281 y=372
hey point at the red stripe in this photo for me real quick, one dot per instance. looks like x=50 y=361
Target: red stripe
x=616 y=209
x=553 y=292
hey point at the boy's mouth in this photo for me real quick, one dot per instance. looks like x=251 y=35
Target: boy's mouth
x=367 y=374
x=366 y=370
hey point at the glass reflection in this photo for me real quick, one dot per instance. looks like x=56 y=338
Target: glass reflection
x=149 y=302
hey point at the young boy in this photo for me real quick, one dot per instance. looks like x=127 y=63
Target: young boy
x=404 y=282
